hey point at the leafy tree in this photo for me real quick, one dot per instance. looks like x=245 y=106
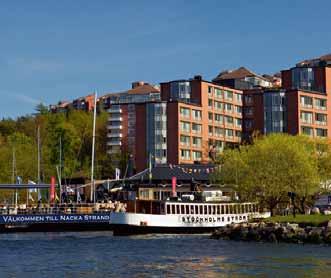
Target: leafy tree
x=270 y=168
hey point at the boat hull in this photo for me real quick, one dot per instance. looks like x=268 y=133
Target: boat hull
x=135 y=223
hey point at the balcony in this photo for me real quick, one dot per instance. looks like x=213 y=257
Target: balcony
x=114 y=135
x=111 y=127
x=115 y=119
x=321 y=123
x=115 y=110
x=114 y=143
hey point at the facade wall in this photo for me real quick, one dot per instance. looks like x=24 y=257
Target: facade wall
x=210 y=121
x=253 y=113
x=140 y=151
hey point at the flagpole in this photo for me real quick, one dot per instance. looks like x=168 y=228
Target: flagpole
x=38 y=157
x=93 y=150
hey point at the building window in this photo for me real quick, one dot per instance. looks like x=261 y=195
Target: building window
x=320 y=104
x=210 y=117
x=248 y=99
x=218 y=93
x=320 y=119
x=303 y=78
x=210 y=103
x=228 y=120
x=320 y=132
x=307 y=130
x=196 y=156
x=238 y=134
x=306 y=101
x=185 y=112
x=196 y=128
x=306 y=117
x=228 y=95
x=238 y=122
x=239 y=98
x=185 y=154
x=196 y=115
x=196 y=141
x=185 y=126
x=180 y=90
x=218 y=105
x=210 y=91
x=218 y=119
x=238 y=109
x=219 y=132
x=210 y=130
x=228 y=107
x=185 y=140
x=229 y=133
x=248 y=111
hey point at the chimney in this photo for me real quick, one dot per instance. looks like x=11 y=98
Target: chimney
x=137 y=84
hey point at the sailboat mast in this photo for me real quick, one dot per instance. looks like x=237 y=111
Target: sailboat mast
x=38 y=146
x=93 y=149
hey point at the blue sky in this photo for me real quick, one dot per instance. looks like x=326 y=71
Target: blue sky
x=56 y=50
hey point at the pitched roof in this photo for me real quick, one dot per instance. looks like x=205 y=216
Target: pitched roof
x=139 y=90
x=239 y=73
x=326 y=58
x=144 y=89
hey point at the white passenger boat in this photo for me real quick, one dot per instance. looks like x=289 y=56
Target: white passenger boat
x=177 y=216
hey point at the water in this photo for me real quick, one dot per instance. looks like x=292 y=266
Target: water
x=99 y=254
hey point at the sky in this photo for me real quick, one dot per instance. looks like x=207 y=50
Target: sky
x=61 y=50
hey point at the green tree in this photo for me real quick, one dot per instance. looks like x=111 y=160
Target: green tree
x=270 y=168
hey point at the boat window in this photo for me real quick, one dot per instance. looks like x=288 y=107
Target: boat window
x=173 y=209
x=201 y=209
x=237 y=217
x=192 y=209
x=178 y=209
x=187 y=208
x=244 y=217
x=231 y=209
x=168 y=209
x=222 y=219
x=214 y=209
x=182 y=209
x=218 y=209
x=205 y=210
x=209 y=209
x=222 y=209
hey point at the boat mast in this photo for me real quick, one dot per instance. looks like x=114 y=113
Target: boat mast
x=60 y=169
x=93 y=149
x=38 y=146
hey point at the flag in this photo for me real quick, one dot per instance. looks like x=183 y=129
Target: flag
x=79 y=198
x=117 y=173
x=39 y=195
x=31 y=190
x=150 y=167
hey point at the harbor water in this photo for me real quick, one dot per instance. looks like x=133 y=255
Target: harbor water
x=99 y=254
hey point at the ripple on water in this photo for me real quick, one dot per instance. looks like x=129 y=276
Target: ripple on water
x=99 y=254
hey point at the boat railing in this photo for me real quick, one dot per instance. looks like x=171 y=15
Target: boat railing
x=73 y=208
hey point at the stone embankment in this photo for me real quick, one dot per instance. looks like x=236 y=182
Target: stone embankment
x=275 y=232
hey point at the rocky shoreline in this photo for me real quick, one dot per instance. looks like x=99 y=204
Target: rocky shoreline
x=275 y=232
